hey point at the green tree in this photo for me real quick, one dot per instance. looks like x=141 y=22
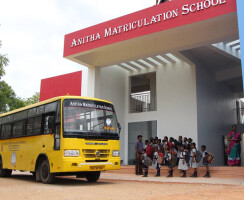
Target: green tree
x=8 y=99
x=3 y=63
x=33 y=99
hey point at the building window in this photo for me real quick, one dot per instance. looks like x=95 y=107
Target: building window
x=143 y=93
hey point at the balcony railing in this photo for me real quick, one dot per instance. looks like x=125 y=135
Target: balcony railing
x=141 y=102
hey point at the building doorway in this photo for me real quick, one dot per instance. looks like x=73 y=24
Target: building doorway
x=147 y=129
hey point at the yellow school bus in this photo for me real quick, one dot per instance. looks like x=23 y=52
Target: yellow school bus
x=66 y=135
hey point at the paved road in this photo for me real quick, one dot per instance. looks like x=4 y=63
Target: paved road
x=23 y=187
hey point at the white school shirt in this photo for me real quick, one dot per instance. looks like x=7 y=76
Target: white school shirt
x=155 y=155
x=178 y=153
x=193 y=151
x=204 y=154
x=182 y=154
x=168 y=156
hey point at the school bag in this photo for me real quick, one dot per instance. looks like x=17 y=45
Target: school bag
x=149 y=151
x=198 y=156
x=210 y=158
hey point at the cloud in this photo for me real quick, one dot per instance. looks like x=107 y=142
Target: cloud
x=32 y=34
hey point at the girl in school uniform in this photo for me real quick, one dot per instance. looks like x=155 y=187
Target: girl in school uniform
x=193 y=162
x=155 y=161
x=205 y=155
x=178 y=153
x=182 y=162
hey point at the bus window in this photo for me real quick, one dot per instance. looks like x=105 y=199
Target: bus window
x=40 y=110
x=6 y=131
x=47 y=120
x=8 y=119
x=20 y=115
x=30 y=123
x=37 y=125
x=32 y=112
x=57 y=132
x=58 y=114
x=51 y=107
x=18 y=129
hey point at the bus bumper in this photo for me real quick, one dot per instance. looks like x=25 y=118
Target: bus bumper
x=79 y=166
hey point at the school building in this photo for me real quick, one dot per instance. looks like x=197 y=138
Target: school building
x=171 y=69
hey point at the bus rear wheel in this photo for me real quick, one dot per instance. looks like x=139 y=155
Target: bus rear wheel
x=4 y=172
x=46 y=176
x=93 y=176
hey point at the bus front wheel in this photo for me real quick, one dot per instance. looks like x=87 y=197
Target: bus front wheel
x=46 y=176
x=93 y=176
x=4 y=172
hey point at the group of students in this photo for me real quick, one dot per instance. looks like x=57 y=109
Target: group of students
x=170 y=152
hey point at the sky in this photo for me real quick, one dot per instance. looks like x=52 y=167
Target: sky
x=32 y=34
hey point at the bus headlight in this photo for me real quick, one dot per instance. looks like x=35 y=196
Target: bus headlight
x=71 y=153
x=115 y=154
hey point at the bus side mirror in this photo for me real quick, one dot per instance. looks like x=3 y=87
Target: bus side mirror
x=119 y=126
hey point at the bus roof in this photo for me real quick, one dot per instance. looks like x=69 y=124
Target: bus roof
x=51 y=100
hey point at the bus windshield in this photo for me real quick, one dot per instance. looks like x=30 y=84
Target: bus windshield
x=89 y=119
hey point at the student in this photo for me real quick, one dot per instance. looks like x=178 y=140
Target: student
x=138 y=150
x=149 y=149
x=168 y=160
x=155 y=161
x=205 y=160
x=144 y=163
x=166 y=139
x=146 y=143
x=171 y=142
x=189 y=141
x=159 y=144
x=185 y=142
x=178 y=153
x=182 y=162
x=193 y=162
x=180 y=140
x=171 y=160
x=161 y=159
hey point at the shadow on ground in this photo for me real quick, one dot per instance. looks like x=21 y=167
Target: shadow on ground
x=59 y=181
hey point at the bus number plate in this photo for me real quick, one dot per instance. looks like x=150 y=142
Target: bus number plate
x=94 y=168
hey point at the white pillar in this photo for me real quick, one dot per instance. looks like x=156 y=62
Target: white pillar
x=93 y=82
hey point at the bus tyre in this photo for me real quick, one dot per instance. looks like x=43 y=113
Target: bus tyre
x=4 y=172
x=93 y=176
x=46 y=176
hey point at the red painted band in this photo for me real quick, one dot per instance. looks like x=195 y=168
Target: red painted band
x=161 y=17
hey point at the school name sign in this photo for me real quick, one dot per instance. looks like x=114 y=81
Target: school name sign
x=186 y=9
